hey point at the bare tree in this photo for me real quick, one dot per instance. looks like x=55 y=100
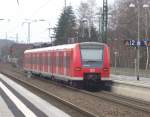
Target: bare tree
x=86 y=14
x=124 y=26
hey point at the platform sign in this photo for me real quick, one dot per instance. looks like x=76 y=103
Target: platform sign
x=130 y=42
x=137 y=43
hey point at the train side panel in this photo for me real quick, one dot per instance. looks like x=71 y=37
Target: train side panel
x=105 y=72
x=66 y=63
x=76 y=64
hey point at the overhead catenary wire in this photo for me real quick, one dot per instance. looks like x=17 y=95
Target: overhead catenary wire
x=18 y=2
x=38 y=9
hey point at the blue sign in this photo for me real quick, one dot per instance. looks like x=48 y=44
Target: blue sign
x=137 y=43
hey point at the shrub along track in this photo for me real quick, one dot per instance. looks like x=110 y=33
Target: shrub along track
x=95 y=103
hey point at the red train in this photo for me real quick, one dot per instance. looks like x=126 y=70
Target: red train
x=86 y=62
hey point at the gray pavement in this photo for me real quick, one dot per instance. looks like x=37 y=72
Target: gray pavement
x=131 y=87
x=131 y=79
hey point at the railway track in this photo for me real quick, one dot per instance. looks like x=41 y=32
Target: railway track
x=125 y=101
x=67 y=103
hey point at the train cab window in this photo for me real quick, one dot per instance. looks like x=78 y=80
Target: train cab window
x=91 y=57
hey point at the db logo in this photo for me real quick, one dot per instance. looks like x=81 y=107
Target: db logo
x=92 y=70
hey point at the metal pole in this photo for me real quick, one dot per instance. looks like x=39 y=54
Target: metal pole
x=99 y=30
x=100 y=27
x=16 y=37
x=146 y=34
x=65 y=4
x=28 y=41
x=89 y=28
x=104 y=21
x=6 y=35
x=135 y=67
x=138 y=44
x=49 y=29
x=115 y=61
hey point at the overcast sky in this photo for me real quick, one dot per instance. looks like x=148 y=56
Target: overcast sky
x=15 y=15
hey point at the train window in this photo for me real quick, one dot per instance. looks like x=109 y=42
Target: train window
x=26 y=59
x=30 y=59
x=61 y=60
x=92 y=57
x=57 y=59
x=39 y=59
x=43 y=59
x=35 y=58
x=68 y=61
x=46 y=58
x=64 y=62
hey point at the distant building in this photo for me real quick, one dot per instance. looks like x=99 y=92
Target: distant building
x=16 y=53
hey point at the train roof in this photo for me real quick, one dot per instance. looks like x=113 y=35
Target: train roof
x=60 y=47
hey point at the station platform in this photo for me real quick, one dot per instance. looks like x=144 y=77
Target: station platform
x=131 y=80
x=4 y=110
x=16 y=101
x=129 y=86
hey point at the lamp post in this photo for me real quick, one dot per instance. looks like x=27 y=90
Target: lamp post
x=29 y=26
x=138 y=41
x=84 y=20
x=146 y=33
x=49 y=30
x=65 y=3
x=28 y=21
x=138 y=45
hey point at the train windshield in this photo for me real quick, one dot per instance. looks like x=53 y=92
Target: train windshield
x=92 y=57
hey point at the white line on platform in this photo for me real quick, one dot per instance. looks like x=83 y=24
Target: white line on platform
x=49 y=109
x=26 y=111
x=4 y=110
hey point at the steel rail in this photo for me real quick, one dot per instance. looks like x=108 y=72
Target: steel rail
x=123 y=100
x=67 y=103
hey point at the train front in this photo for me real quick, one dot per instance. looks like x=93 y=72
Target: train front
x=94 y=59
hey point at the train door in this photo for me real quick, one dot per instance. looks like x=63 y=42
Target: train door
x=31 y=64
x=51 y=62
x=43 y=61
x=48 y=67
x=36 y=61
x=62 y=63
x=54 y=62
x=33 y=61
x=65 y=63
x=46 y=62
x=57 y=62
x=68 y=63
x=40 y=62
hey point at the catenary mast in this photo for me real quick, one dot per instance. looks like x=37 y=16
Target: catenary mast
x=104 y=21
